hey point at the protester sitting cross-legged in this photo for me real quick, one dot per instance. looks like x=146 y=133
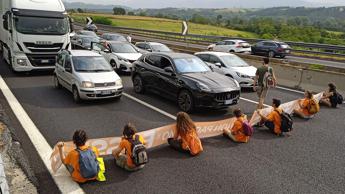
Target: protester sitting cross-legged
x=185 y=135
x=308 y=106
x=81 y=162
x=331 y=97
x=135 y=156
x=273 y=120
x=241 y=130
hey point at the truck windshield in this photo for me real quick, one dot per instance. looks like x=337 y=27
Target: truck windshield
x=46 y=26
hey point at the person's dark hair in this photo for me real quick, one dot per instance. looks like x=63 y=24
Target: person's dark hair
x=332 y=87
x=184 y=123
x=129 y=130
x=79 y=138
x=276 y=102
x=237 y=112
x=266 y=61
x=309 y=94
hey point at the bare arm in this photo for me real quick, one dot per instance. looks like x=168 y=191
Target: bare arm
x=62 y=155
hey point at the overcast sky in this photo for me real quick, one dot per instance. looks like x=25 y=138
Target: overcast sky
x=214 y=3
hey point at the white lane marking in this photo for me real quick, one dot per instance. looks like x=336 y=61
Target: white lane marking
x=168 y=114
x=252 y=101
x=62 y=179
x=150 y=106
x=290 y=90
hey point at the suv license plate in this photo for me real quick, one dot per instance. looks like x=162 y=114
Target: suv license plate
x=106 y=92
x=228 y=102
x=44 y=61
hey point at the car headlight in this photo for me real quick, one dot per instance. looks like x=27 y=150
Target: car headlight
x=203 y=87
x=86 y=84
x=237 y=84
x=122 y=59
x=118 y=82
x=242 y=75
x=21 y=62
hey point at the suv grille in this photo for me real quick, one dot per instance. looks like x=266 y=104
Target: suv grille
x=227 y=95
x=35 y=48
x=106 y=84
x=41 y=60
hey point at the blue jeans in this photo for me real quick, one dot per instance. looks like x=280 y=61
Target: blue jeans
x=270 y=125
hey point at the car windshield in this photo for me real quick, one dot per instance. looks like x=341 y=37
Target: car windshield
x=233 y=61
x=190 y=65
x=123 y=48
x=117 y=38
x=88 y=33
x=39 y=25
x=91 y=64
x=160 y=48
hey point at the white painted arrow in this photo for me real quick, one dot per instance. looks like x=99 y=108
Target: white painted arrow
x=184 y=28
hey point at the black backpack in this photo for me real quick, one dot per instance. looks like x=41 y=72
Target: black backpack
x=139 y=154
x=340 y=98
x=286 y=122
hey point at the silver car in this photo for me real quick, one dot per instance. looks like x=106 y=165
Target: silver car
x=87 y=75
x=231 y=66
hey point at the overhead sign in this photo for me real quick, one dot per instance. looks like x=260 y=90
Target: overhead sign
x=89 y=21
x=184 y=28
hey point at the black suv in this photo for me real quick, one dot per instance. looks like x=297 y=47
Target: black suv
x=271 y=49
x=186 y=79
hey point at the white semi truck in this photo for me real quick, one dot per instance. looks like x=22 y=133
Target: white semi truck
x=32 y=32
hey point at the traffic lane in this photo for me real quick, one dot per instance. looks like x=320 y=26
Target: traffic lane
x=327 y=63
x=266 y=165
x=57 y=116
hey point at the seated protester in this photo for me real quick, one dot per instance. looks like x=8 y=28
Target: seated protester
x=82 y=162
x=330 y=97
x=308 y=106
x=133 y=145
x=273 y=120
x=185 y=136
x=237 y=133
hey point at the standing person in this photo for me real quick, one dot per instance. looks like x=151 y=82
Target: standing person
x=185 y=136
x=330 y=97
x=273 y=120
x=264 y=79
x=237 y=132
x=82 y=162
x=129 y=38
x=135 y=156
x=308 y=106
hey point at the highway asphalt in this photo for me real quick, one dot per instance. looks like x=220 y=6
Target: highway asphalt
x=312 y=160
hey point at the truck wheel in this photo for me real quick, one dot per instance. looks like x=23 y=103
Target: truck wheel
x=185 y=101
x=76 y=96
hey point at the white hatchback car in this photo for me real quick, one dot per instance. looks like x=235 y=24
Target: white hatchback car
x=231 y=66
x=119 y=54
x=232 y=46
x=87 y=75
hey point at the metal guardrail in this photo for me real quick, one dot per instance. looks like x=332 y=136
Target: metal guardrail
x=323 y=49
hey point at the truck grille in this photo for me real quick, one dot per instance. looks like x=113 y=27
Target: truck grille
x=36 y=48
x=106 y=84
x=41 y=60
x=227 y=95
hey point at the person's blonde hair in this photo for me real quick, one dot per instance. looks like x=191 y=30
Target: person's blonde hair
x=184 y=123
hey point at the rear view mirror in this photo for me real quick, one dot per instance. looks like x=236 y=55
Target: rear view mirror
x=68 y=69
x=150 y=50
x=107 y=51
x=168 y=70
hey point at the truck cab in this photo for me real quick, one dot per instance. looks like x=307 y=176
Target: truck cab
x=33 y=32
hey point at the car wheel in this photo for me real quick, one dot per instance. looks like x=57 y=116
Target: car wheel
x=76 y=96
x=271 y=54
x=138 y=85
x=114 y=65
x=185 y=101
x=56 y=81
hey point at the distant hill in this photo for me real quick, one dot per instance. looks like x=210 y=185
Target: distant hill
x=93 y=7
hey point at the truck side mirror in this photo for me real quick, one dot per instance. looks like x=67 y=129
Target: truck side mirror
x=71 y=26
x=5 y=21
